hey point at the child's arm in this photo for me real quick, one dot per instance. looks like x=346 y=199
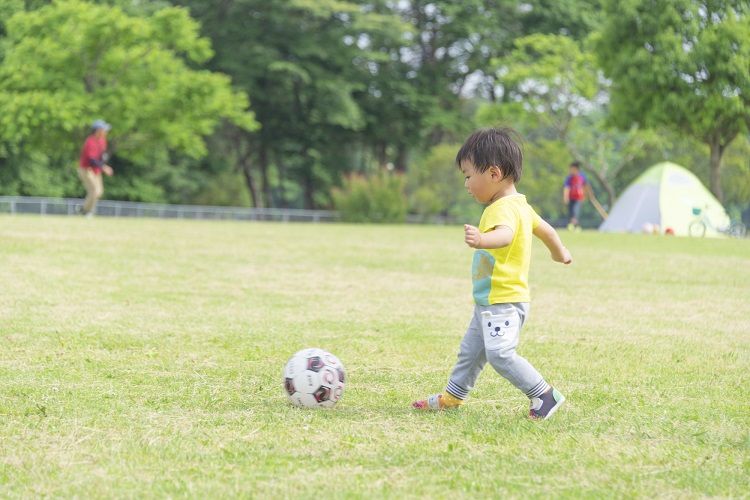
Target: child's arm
x=499 y=237
x=549 y=237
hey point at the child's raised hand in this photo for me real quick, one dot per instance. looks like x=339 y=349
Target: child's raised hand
x=472 y=236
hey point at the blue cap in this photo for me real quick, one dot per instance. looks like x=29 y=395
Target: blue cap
x=101 y=124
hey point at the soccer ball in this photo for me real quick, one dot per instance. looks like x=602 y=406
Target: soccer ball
x=314 y=378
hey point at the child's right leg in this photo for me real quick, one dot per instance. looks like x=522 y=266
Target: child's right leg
x=471 y=361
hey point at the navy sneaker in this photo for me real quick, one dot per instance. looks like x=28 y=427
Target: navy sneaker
x=545 y=405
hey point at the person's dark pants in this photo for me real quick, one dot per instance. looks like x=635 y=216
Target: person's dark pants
x=574 y=210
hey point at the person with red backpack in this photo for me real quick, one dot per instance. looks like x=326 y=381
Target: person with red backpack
x=574 y=193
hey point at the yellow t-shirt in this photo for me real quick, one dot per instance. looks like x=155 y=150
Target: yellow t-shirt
x=501 y=275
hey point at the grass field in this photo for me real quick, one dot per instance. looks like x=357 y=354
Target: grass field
x=142 y=358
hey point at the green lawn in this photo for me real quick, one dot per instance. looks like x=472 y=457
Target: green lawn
x=143 y=358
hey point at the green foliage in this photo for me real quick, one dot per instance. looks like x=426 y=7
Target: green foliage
x=574 y=18
x=545 y=166
x=37 y=174
x=693 y=57
x=425 y=203
x=353 y=86
x=378 y=198
x=412 y=95
x=736 y=180
x=300 y=63
x=555 y=92
x=7 y=9
x=436 y=186
x=136 y=189
x=225 y=189
x=72 y=61
x=550 y=74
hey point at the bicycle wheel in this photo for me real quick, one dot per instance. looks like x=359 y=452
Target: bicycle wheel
x=737 y=229
x=697 y=229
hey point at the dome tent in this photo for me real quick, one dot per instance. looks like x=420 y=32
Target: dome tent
x=666 y=195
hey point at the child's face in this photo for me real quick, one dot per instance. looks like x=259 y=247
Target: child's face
x=479 y=184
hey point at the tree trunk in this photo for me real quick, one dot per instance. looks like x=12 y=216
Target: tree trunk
x=309 y=193
x=717 y=153
x=242 y=144
x=402 y=157
x=247 y=171
x=308 y=182
x=282 y=176
x=381 y=154
x=265 y=185
x=604 y=182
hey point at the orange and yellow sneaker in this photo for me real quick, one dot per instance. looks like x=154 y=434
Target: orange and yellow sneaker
x=438 y=402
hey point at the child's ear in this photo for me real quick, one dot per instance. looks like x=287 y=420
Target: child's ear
x=495 y=172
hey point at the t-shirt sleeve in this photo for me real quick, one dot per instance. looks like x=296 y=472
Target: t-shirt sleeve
x=506 y=216
x=535 y=219
x=567 y=181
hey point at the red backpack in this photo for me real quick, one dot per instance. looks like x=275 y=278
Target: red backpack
x=576 y=187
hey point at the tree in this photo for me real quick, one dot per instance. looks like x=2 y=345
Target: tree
x=360 y=85
x=71 y=61
x=303 y=61
x=736 y=183
x=555 y=89
x=576 y=19
x=433 y=66
x=680 y=63
x=435 y=186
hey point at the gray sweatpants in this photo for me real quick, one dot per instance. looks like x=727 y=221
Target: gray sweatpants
x=493 y=336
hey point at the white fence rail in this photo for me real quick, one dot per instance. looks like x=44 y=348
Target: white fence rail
x=107 y=208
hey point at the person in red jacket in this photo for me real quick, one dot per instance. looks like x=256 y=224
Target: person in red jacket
x=574 y=193
x=91 y=165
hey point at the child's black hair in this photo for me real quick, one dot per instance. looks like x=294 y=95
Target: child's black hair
x=494 y=147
